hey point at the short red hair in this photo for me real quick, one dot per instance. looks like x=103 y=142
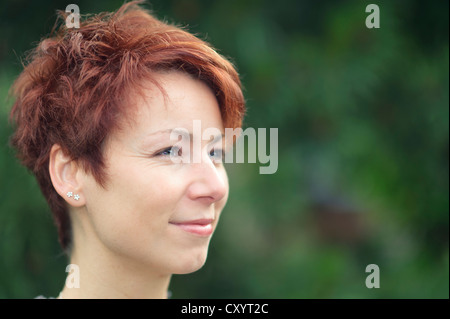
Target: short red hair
x=73 y=88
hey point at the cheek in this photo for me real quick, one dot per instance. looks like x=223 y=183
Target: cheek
x=135 y=208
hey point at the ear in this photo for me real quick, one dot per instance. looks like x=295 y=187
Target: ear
x=64 y=173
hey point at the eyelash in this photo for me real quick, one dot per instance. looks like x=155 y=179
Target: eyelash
x=220 y=154
x=168 y=149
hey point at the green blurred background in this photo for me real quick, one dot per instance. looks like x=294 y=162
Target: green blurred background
x=363 y=175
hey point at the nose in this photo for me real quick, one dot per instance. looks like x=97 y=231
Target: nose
x=210 y=183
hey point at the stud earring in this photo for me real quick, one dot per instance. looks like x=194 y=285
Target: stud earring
x=70 y=194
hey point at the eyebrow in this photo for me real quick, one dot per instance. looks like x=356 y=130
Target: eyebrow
x=183 y=133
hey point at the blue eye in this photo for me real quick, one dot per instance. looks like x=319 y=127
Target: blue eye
x=217 y=154
x=170 y=151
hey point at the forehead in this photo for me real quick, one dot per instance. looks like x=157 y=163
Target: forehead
x=175 y=101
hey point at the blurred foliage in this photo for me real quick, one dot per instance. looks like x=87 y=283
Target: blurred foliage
x=363 y=172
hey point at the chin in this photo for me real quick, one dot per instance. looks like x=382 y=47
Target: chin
x=190 y=263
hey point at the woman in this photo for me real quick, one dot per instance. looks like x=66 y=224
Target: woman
x=94 y=112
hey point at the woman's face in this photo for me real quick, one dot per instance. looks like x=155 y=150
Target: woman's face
x=155 y=211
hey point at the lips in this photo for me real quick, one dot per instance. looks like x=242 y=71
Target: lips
x=201 y=227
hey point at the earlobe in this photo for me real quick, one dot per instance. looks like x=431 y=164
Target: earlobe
x=63 y=173
x=76 y=196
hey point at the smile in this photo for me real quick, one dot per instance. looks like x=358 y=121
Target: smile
x=200 y=227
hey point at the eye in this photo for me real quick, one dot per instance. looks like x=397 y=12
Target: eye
x=217 y=154
x=170 y=151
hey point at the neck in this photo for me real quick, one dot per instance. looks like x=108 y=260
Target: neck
x=106 y=275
